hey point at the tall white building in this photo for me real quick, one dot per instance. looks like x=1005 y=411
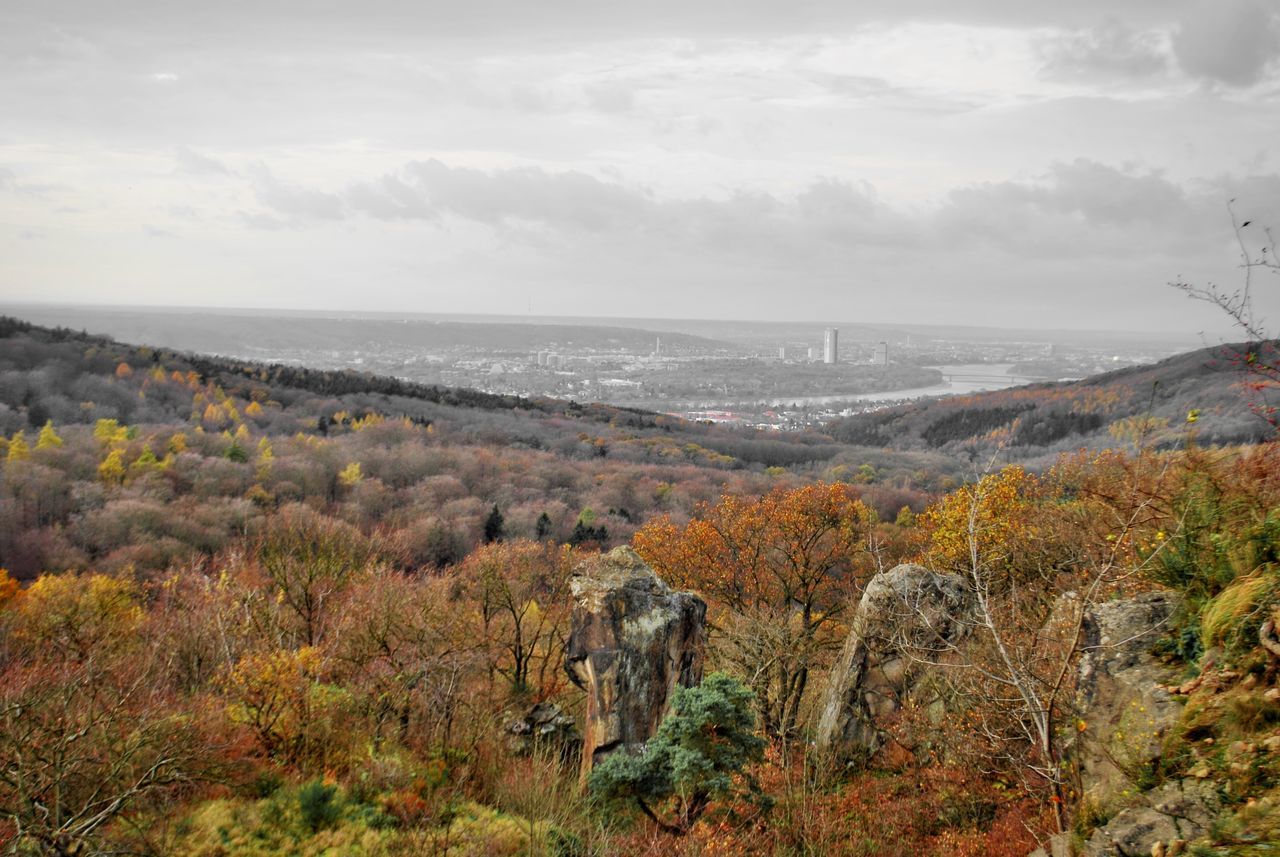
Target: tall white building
x=882 y=354
x=830 y=345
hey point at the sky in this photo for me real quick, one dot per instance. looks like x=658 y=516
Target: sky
x=1027 y=163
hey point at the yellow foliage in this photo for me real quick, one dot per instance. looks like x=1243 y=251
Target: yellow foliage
x=178 y=444
x=270 y=692
x=368 y=422
x=48 y=438
x=984 y=523
x=18 y=449
x=254 y=410
x=77 y=615
x=112 y=469
x=110 y=431
x=266 y=458
x=351 y=474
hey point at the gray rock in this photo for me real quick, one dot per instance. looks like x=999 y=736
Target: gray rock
x=907 y=617
x=1174 y=811
x=632 y=641
x=545 y=725
x=1125 y=712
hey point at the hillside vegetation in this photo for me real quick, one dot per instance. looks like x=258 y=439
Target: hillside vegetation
x=151 y=456
x=1128 y=407
x=259 y=610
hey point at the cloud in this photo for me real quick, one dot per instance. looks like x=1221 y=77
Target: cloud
x=1075 y=209
x=189 y=161
x=1110 y=50
x=294 y=201
x=1081 y=209
x=428 y=189
x=611 y=98
x=1228 y=41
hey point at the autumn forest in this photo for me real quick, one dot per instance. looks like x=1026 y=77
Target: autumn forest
x=255 y=609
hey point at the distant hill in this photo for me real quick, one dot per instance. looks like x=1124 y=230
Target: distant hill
x=1141 y=404
x=258 y=335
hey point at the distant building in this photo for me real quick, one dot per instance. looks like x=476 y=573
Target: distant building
x=657 y=345
x=782 y=352
x=813 y=353
x=830 y=345
x=882 y=354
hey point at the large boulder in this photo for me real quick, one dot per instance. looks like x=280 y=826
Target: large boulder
x=1121 y=701
x=908 y=617
x=632 y=642
x=1162 y=821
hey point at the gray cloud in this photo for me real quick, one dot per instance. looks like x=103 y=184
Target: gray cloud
x=293 y=200
x=189 y=161
x=1075 y=209
x=1081 y=208
x=1228 y=41
x=611 y=98
x=384 y=23
x=1109 y=50
x=427 y=189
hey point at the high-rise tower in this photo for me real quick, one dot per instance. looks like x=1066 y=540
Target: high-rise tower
x=830 y=345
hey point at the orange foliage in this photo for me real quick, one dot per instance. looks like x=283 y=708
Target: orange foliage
x=9 y=588
x=778 y=573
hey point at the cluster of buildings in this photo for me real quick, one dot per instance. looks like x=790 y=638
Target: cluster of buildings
x=831 y=350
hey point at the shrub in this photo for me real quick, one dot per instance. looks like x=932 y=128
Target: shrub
x=319 y=805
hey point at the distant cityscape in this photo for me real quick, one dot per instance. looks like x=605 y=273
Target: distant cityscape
x=767 y=375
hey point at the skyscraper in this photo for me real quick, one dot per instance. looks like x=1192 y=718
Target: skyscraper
x=882 y=354
x=830 y=345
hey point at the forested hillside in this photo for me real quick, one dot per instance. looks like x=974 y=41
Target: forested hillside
x=1137 y=405
x=140 y=457
x=261 y=610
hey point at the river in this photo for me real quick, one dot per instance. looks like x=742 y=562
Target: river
x=965 y=378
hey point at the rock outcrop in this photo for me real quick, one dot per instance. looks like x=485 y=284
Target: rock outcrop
x=1164 y=820
x=1121 y=701
x=632 y=642
x=545 y=726
x=907 y=617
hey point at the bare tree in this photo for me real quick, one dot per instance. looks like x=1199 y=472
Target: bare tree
x=1014 y=661
x=81 y=743
x=1260 y=356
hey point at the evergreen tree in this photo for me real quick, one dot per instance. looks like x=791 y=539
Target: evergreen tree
x=700 y=749
x=543 y=527
x=493 y=526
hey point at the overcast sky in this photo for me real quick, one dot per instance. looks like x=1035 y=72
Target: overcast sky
x=1008 y=162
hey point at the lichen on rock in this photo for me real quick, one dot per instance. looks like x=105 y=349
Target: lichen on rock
x=633 y=640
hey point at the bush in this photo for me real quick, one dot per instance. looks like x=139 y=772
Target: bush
x=319 y=805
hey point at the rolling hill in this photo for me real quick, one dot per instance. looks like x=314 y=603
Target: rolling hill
x=1206 y=391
